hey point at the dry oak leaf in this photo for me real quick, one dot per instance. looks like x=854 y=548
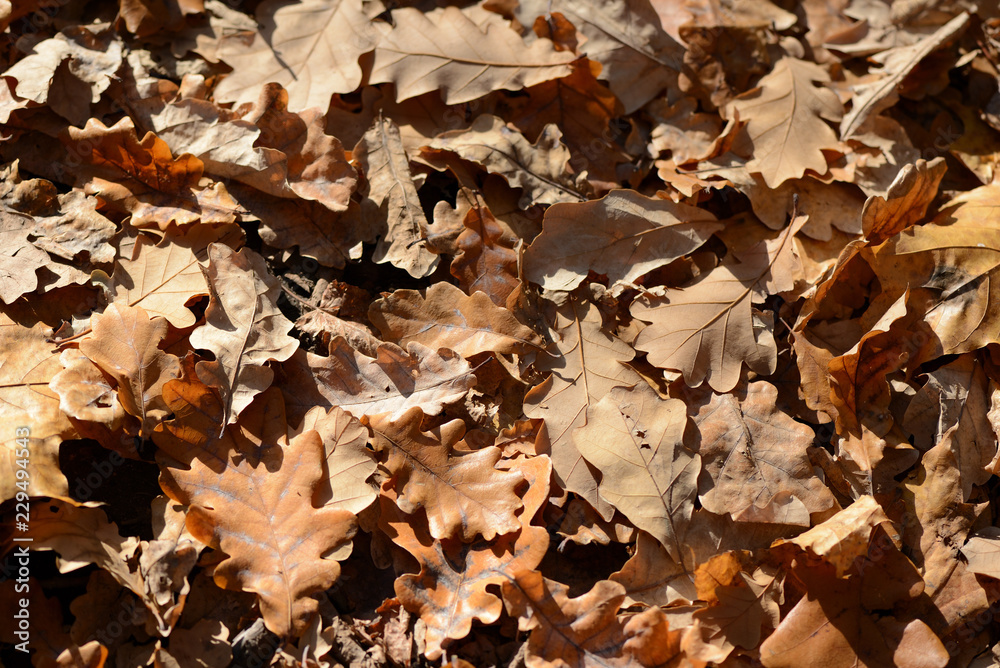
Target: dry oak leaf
x=243 y=328
x=982 y=551
x=155 y=571
x=739 y=608
x=445 y=317
x=953 y=260
x=874 y=97
x=585 y=362
x=392 y=193
x=84 y=392
x=125 y=344
x=68 y=72
x=842 y=539
x=142 y=178
x=635 y=439
x=577 y=633
x=394 y=381
x=19 y=258
x=957 y=393
x=651 y=577
x=263 y=146
x=461 y=491
x=905 y=202
x=303 y=160
x=582 y=108
x=785 y=130
x=447 y=51
x=252 y=493
x=709 y=329
x=349 y=462
x=623 y=235
x=450 y=591
x=541 y=169
x=162 y=276
x=311 y=48
x=638 y=58
x=486 y=260
x=751 y=453
x=832 y=625
x=27 y=364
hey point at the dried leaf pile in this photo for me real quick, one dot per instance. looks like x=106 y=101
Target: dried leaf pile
x=539 y=333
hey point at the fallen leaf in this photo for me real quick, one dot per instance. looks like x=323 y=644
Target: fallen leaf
x=635 y=439
x=623 y=235
x=541 y=169
x=311 y=48
x=446 y=51
x=393 y=194
x=462 y=492
x=244 y=328
x=392 y=382
x=785 y=117
x=448 y=318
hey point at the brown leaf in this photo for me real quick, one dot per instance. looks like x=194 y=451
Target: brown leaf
x=251 y=494
x=70 y=71
x=393 y=194
x=575 y=632
x=638 y=58
x=392 y=382
x=349 y=463
x=450 y=591
x=142 y=178
x=447 y=51
x=27 y=364
x=652 y=577
x=461 y=491
x=585 y=362
x=311 y=48
x=784 y=114
x=448 y=318
x=753 y=456
x=486 y=261
x=623 y=235
x=906 y=201
x=541 y=169
x=244 y=328
x=161 y=277
x=19 y=258
x=635 y=439
x=709 y=329
x=125 y=344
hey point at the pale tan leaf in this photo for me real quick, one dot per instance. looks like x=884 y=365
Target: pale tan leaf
x=982 y=550
x=381 y=155
x=447 y=51
x=709 y=329
x=162 y=277
x=84 y=392
x=19 y=258
x=635 y=439
x=541 y=169
x=244 y=328
x=392 y=382
x=448 y=318
x=785 y=116
x=751 y=452
x=623 y=235
x=461 y=491
x=349 y=463
x=125 y=344
x=28 y=362
x=585 y=362
x=311 y=48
